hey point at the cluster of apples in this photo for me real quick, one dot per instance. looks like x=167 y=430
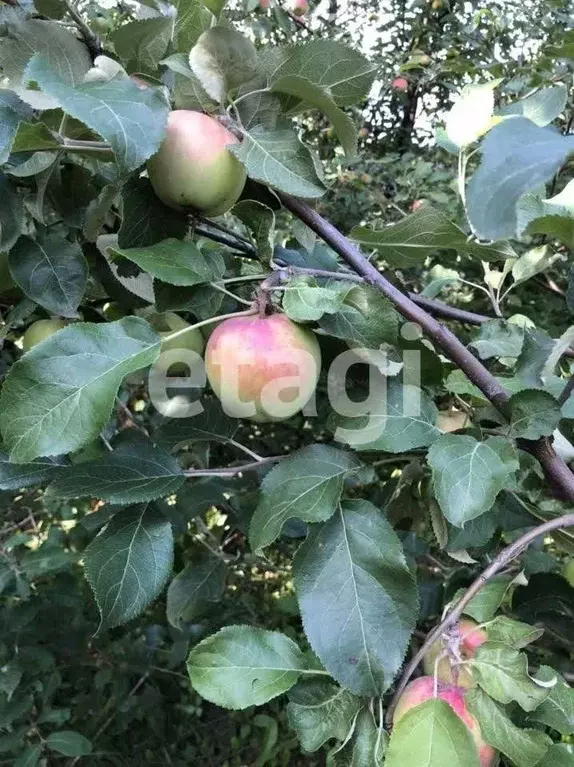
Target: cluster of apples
x=451 y=685
x=265 y=363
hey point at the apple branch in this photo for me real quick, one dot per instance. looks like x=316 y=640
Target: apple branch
x=498 y=563
x=556 y=470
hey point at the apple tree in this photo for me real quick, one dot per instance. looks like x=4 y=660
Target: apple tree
x=206 y=383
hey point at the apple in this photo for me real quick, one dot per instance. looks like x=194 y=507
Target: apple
x=39 y=331
x=452 y=420
x=422 y=689
x=417 y=204
x=568 y=571
x=262 y=368
x=113 y=311
x=264 y=4
x=193 y=168
x=363 y=132
x=167 y=323
x=470 y=639
x=400 y=84
x=300 y=7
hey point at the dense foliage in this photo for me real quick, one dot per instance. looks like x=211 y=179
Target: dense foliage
x=246 y=561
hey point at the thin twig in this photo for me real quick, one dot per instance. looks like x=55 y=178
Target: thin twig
x=90 y=38
x=566 y=391
x=232 y=471
x=498 y=563
x=557 y=471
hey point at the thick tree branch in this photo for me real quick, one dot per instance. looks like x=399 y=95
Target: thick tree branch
x=556 y=470
x=500 y=562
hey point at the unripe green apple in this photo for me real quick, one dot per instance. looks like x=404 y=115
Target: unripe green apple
x=39 y=331
x=423 y=689
x=193 y=168
x=470 y=640
x=113 y=311
x=166 y=324
x=568 y=571
x=262 y=368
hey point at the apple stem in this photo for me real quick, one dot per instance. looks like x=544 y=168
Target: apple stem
x=176 y=334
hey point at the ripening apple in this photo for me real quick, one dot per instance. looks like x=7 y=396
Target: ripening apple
x=262 y=368
x=417 y=204
x=300 y=7
x=174 y=355
x=39 y=331
x=264 y=4
x=471 y=638
x=422 y=689
x=400 y=84
x=193 y=167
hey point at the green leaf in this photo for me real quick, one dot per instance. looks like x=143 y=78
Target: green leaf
x=14 y=476
x=533 y=414
x=52 y=271
x=59 y=396
x=129 y=474
x=368 y=746
x=319 y=97
x=557 y=711
x=357 y=596
x=541 y=107
x=12 y=111
x=279 y=159
x=130 y=118
x=402 y=418
x=532 y=262
x=11 y=214
x=483 y=606
x=319 y=710
x=243 y=666
x=142 y=44
x=176 y=262
x=366 y=318
x=187 y=92
x=32 y=165
x=69 y=743
x=517 y=156
x=65 y=55
x=558 y=755
x=29 y=757
x=260 y=220
x=146 y=220
x=307 y=485
x=192 y=20
x=431 y=735
x=222 y=60
x=346 y=74
x=511 y=632
x=502 y=672
x=46 y=560
x=34 y=136
x=524 y=748
x=10 y=678
x=498 y=338
x=553 y=216
x=211 y=425
x=128 y=563
x=195 y=588
x=304 y=300
x=410 y=241
x=468 y=475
